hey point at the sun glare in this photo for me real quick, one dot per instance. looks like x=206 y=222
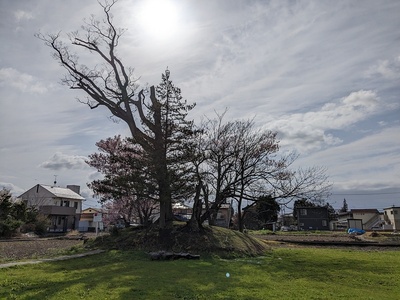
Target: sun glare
x=159 y=18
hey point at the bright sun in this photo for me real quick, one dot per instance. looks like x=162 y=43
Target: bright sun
x=159 y=18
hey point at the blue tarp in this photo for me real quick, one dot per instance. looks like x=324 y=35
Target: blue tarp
x=355 y=231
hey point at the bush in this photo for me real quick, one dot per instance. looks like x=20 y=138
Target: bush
x=41 y=225
x=9 y=227
x=28 y=227
x=114 y=231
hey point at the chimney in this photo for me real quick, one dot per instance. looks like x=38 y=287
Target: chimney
x=74 y=188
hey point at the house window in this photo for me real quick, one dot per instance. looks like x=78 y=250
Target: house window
x=66 y=203
x=395 y=212
x=391 y=212
x=324 y=223
x=76 y=205
x=303 y=212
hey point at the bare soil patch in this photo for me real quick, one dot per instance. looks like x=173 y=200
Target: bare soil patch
x=366 y=241
x=21 y=249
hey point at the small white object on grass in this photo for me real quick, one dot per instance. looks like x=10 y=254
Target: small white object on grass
x=228 y=275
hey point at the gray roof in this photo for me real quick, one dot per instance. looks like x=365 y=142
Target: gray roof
x=62 y=192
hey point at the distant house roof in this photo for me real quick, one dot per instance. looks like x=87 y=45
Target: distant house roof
x=359 y=211
x=59 y=192
x=311 y=207
x=397 y=207
x=180 y=206
x=62 y=192
x=364 y=210
x=91 y=209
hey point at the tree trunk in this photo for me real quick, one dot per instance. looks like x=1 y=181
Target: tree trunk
x=240 y=216
x=160 y=165
x=166 y=215
x=194 y=223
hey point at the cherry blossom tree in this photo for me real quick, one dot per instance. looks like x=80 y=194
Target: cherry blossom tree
x=126 y=189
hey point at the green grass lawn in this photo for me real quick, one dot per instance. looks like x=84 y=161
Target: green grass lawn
x=283 y=273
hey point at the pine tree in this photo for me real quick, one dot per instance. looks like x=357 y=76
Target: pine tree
x=161 y=172
x=344 y=208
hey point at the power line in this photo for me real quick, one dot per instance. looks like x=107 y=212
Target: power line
x=365 y=194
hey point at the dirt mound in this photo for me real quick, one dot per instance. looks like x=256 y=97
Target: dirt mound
x=210 y=241
x=372 y=234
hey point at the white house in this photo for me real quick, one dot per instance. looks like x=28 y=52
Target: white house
x=366 y=219
x=392 y=217
x=87 y=223
x=63 y=206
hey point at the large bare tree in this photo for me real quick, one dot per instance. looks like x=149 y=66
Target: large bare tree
x=109 y=83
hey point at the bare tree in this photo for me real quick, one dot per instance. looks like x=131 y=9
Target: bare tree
x=110 y=84
x=243 y=163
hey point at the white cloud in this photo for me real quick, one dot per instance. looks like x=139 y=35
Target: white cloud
x=15 y=190
x=23 y=82
x=63 y=161
x=371 y=162
x=382 y=123
x=387 y=68
x=309 y=131
x=22 y=15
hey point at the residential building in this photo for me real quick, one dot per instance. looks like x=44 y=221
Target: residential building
x=286 y=220
x=224 y=215
x=62 y=206
x=312 y=218
x=87 y=223
x=392 y=217
x=366 y=219
x=181 y=211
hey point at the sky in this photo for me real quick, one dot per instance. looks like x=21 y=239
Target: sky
x=324 y=74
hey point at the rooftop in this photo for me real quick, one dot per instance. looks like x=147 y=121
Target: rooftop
x=62 y=192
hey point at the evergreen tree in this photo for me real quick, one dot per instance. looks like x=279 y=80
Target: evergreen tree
x=138 y=177
x=9 y=222
x=267 y=209
x=16 y=215
x=344 y=208
x=331 y=212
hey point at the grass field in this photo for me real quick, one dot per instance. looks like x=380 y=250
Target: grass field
x=283 y=273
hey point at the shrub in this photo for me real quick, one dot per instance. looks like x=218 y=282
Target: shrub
x=9 y=226
x=41 y=224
